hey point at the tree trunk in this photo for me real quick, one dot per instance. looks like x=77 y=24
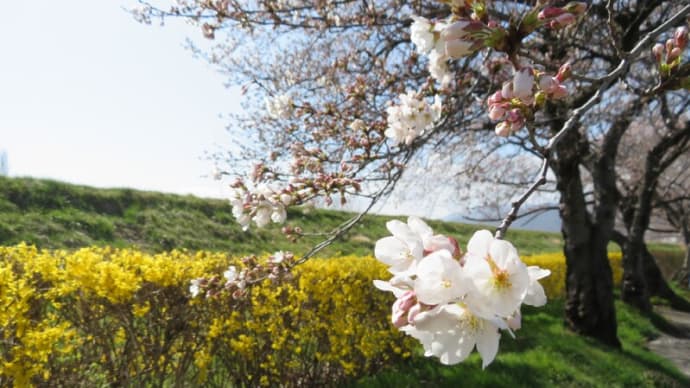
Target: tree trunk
x=653 y=279
x=589 y=308
x=635 y=287
x=683 y=276
x=658 y=286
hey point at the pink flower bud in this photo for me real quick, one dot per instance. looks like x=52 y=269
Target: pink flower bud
x=680 y=37
x=564 y=72
x=495 y=98
x=208 y=30
x=523 y=81
x=456 y=30
x=496 y=112
x=559 y=92
x=514 y=115
x=550 y=12
x=576 y=7
x=503 y=129
x=507 y=90
x=401 y=308
x=517 y=125
x=458 y=48
x=547 y=83
x=675 y=53
x=564 y=20
x=670 y=44
x=658 y=51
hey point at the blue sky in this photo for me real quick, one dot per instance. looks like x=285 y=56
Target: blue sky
x=89 y=96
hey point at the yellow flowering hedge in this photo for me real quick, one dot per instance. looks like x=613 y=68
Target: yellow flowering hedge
x=100 y=316
x=554 y=284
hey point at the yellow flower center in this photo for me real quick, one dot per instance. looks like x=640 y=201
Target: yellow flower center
x=501 y=278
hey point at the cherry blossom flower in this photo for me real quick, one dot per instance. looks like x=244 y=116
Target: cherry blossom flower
x=411 y=118
x=194 y=287
x=440 y=279
x=438 y=68
x=450 y=332
x=280 y=107
x=523 y=81
x=501 y=279
x=433 y=242
x=422 y=35
x=402 y=250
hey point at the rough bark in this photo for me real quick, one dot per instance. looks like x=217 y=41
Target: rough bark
x=589 y=306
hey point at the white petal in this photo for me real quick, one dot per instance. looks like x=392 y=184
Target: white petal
x=389 y=249
x=420 y=227
x=440 y=279
x=452 y=348
x=424 y=337
x=535 y=295
x=487 y=343
x=479 y=243
x=387 y=286
x=536 y=273
x=441 y=318
x=503 y=253
x=399 y=229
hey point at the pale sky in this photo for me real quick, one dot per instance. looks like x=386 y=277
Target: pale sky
x=89 y=96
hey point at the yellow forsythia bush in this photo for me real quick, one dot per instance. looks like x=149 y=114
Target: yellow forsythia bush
x=102 y=316
x=554 y=285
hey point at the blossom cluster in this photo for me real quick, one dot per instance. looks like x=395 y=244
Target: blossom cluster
x=411 y=118
x=280 y=107
x=519 y=97
x=446 y=39
x=668 y=55
x=452 y=302
x=263 y=205
x=560 y=17
x=235 y=281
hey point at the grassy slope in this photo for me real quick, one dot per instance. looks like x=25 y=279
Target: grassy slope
x=52 y=214
x=545 y=354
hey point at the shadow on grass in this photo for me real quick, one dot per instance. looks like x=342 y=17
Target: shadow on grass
x=546 y=354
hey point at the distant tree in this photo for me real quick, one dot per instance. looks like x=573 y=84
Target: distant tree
x=659 y=139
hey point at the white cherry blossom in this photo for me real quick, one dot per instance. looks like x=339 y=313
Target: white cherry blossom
x=422 y=35
x=535 y=292
x=440 y=279
x=499 y=276
x=450 y=332
x=402 y=250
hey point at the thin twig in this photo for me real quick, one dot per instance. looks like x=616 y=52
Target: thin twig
x=512 y=215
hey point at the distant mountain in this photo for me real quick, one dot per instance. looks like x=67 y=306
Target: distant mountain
x=548 y=221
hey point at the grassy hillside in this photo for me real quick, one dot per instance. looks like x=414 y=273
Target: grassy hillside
x=546 y=354
x=52 y=214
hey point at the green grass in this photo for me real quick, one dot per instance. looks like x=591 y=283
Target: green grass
x=53 y=214
x=545 y=354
